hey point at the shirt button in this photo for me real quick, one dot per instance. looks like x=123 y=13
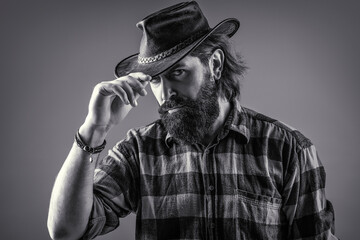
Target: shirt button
x=212 y=225
x=211 y=188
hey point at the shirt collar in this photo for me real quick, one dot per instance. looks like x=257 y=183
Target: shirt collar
x=236 y=122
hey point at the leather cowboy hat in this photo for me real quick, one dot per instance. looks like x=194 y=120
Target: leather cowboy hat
x=169 y=35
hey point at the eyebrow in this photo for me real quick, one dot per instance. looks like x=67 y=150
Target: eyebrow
x=179 y=64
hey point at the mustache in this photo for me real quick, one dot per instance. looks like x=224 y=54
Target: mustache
x=175 y=102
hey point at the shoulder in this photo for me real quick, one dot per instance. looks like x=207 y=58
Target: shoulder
x=262 y=125
x=144 y=141
x=153 y=130
x=147 y=133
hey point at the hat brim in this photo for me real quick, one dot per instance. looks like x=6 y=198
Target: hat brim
x=130 y=64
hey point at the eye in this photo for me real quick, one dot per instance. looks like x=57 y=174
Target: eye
x=177 y=72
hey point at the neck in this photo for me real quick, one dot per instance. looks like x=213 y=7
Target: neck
x=225 y=106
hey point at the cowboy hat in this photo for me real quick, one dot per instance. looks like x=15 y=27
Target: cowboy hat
x=169 y=35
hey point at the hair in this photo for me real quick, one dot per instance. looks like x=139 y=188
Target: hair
x=234 y=67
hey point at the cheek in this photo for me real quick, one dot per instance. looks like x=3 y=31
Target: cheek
x=194 y=88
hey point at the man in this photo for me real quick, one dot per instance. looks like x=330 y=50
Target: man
x=208 y=169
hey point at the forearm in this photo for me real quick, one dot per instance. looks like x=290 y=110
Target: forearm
x=72 y=195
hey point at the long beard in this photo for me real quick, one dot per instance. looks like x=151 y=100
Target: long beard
x=194 y=118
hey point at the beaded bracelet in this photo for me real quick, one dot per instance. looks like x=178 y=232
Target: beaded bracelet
x=86 y=148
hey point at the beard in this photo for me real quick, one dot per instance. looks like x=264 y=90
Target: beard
x=193 y=119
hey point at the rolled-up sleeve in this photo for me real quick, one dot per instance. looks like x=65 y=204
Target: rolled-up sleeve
x=310 y=215
x=115 y=191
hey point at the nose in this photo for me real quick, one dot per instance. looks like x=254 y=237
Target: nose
x=166 y=90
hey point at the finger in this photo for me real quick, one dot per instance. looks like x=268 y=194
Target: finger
x=142 y=77
x=137 y=85
x=121 y=94
x=104 y=89
x=129 y=93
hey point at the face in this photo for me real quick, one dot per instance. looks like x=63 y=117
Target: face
x=188 y=100
x=184 y=79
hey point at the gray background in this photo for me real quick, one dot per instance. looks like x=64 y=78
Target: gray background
x=304 y=67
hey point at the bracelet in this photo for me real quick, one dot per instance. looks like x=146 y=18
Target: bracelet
x=86 y=148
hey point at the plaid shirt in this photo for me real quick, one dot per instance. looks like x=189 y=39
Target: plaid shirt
x=259 y=179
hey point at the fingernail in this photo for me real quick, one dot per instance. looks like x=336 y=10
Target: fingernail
x=135 y=103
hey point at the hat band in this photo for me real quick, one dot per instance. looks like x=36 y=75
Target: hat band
x=176 y=48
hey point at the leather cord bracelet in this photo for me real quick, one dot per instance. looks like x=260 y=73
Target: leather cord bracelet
x=87 y=148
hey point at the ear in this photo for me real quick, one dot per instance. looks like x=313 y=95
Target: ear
x=216 y=63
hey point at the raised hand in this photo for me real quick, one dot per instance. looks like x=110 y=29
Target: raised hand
x=111 y=101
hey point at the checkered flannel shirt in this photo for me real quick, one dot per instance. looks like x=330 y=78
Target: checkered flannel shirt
x=259 y=179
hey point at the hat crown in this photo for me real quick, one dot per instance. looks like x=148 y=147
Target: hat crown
x=169 y=35
x=170 y=27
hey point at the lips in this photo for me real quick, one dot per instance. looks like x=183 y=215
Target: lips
x=170 y=109
x=173 y=110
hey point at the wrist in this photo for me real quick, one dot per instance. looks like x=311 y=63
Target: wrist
x=92 y=135
x=92 y=150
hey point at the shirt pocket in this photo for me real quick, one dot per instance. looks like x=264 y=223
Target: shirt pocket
x=258 y=209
